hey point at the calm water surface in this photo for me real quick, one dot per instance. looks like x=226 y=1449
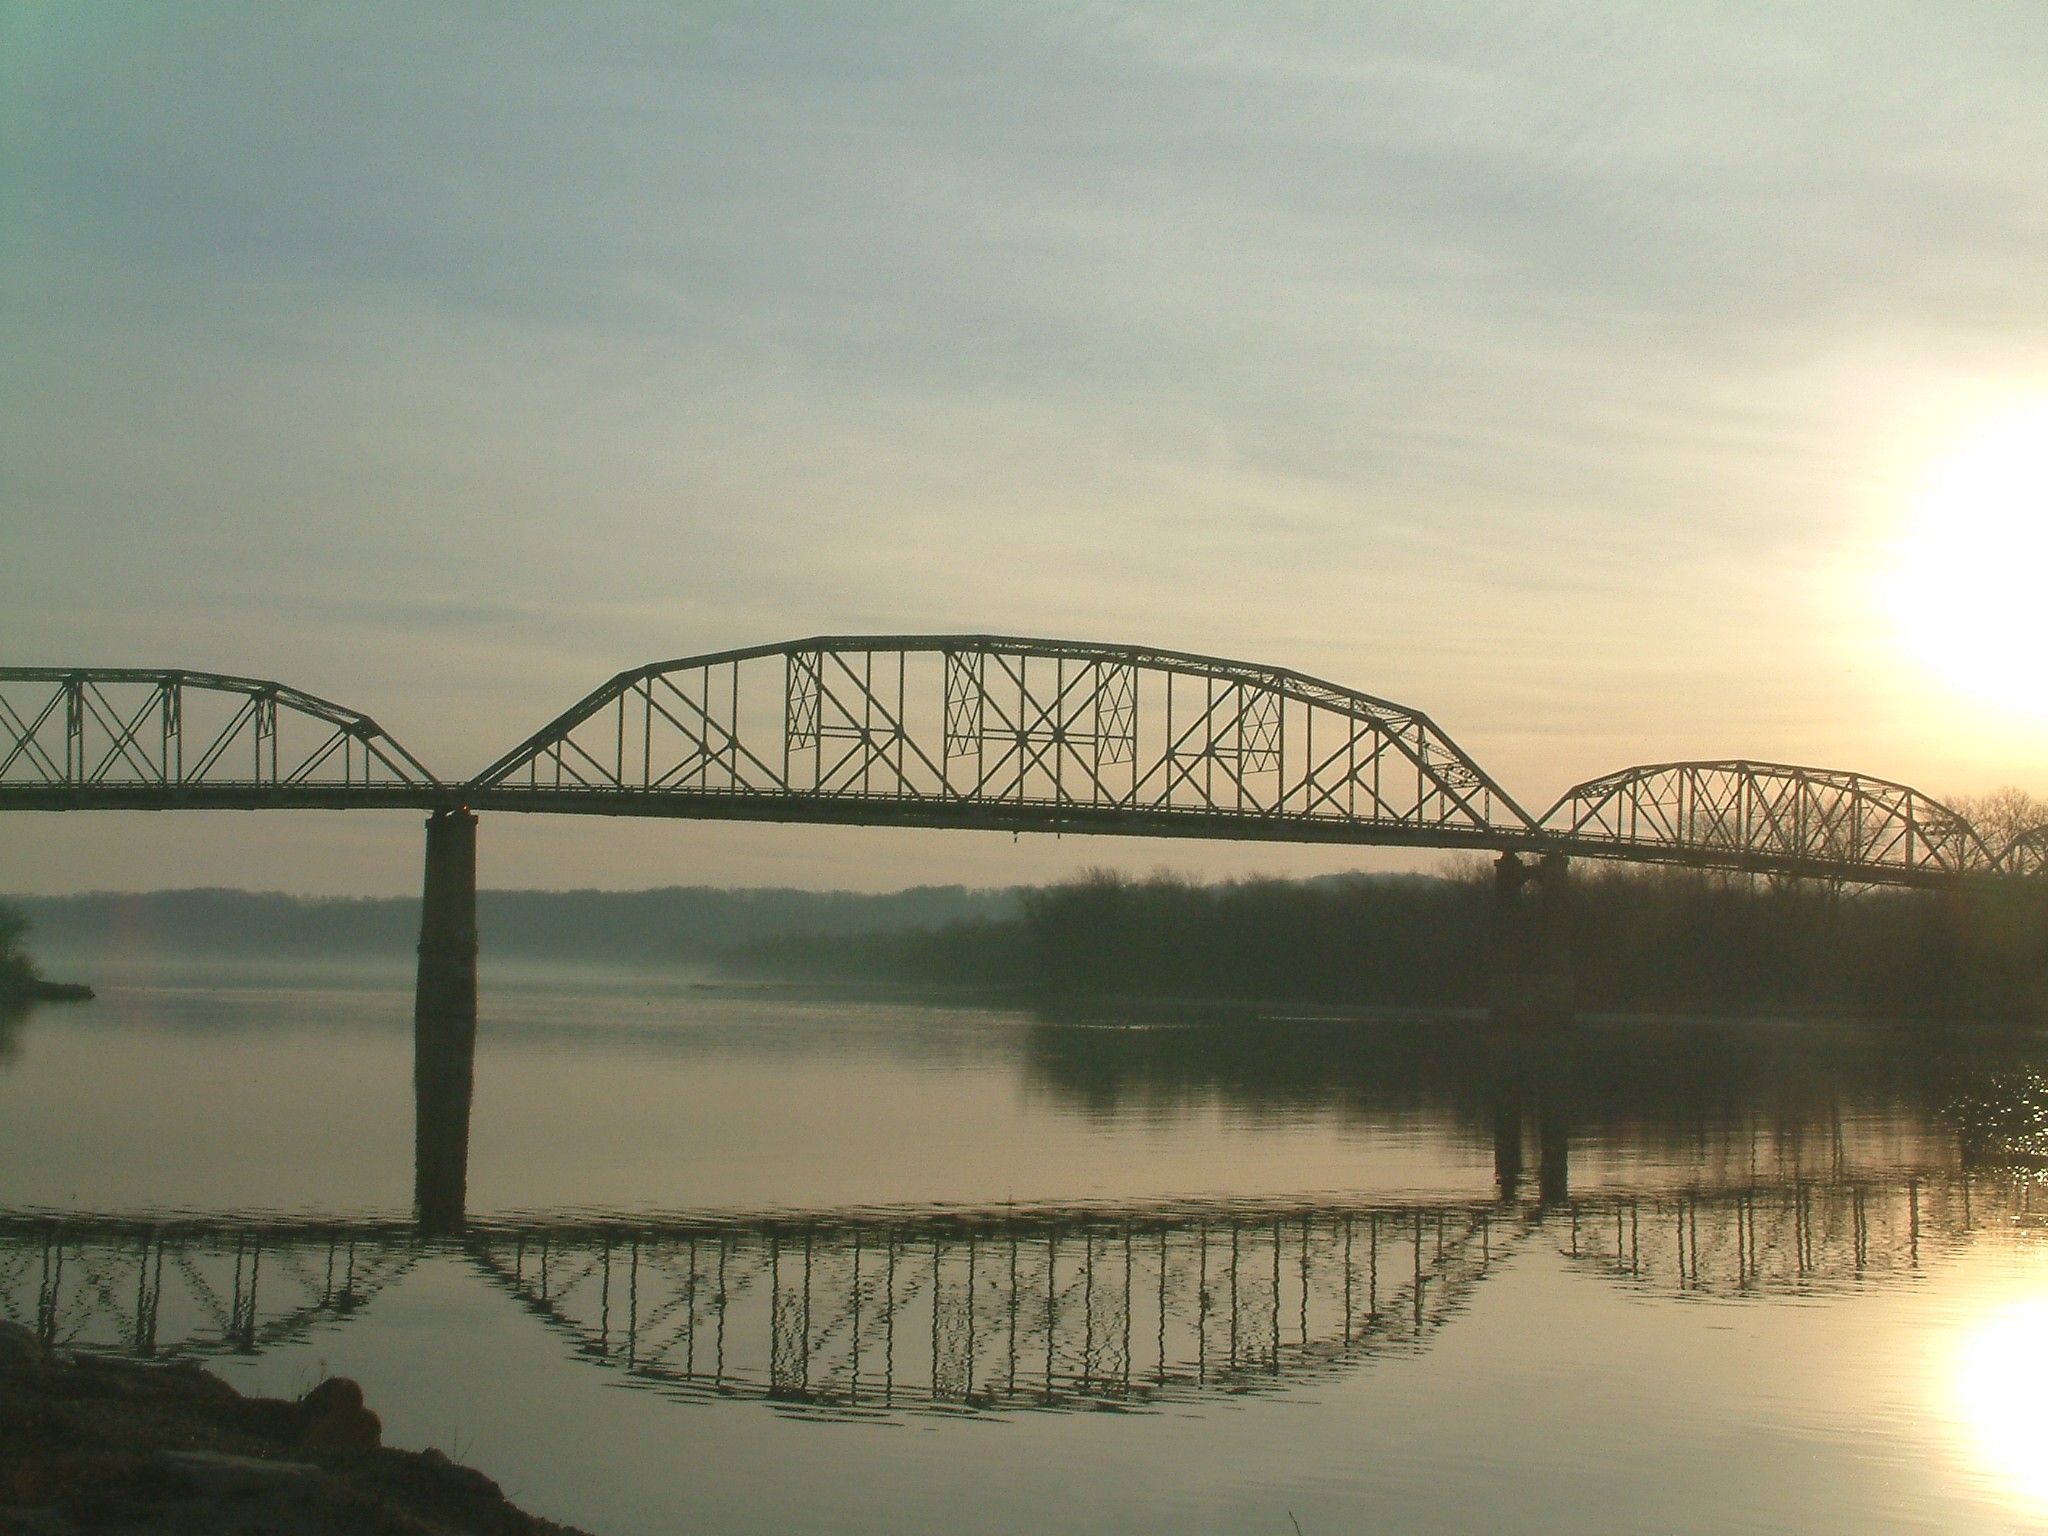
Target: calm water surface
x=739 y=1262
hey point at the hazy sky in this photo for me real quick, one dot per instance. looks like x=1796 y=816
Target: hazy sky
x=1566 y=371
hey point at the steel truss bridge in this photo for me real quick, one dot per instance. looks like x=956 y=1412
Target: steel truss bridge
x=876 y=1312
x=977 y=731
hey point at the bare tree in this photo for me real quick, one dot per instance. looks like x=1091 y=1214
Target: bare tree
x=16 y=969
x=2002 y=815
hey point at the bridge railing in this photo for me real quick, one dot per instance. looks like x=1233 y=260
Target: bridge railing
x=997 y=731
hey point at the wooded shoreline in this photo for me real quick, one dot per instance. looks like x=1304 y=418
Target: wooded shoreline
x=1639 y=941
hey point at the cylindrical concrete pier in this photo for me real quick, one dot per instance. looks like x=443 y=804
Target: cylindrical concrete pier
x=1531 y=984
x=444 y=1023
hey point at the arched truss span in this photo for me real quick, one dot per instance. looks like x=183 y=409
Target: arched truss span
x=108 y=738
x=1770 y=818
x=2027 y=854
x=1007 y=733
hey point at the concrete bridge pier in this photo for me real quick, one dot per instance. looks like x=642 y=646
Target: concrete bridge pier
x=444 y=1023
x=1530 y=952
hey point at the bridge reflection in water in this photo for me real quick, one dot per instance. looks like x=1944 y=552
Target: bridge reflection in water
x=852 y=1313
x=1041 y=1310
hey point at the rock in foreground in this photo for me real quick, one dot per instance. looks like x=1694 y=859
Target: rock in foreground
x=92 y=1445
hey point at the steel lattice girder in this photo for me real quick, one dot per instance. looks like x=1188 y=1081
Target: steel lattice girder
x=980 y=730
x=109 y=736
x=1771 y=817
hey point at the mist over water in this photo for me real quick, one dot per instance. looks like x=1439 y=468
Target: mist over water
x=738 y=1257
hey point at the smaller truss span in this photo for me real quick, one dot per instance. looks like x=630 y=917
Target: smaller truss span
x=1770 y=818
x=110 y=738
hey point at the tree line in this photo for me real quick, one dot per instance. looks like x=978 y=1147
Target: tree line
x=1639 y=939
x=21 y=979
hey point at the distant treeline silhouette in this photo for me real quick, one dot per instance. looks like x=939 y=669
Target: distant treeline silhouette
x=1640 y=939
x=676 y=925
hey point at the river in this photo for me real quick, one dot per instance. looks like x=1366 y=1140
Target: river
x=737 y=1260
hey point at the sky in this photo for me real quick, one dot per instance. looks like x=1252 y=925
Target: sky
x=1575 y=373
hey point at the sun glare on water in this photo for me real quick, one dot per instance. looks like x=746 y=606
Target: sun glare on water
x=2001 y=1388
x=1969 y=589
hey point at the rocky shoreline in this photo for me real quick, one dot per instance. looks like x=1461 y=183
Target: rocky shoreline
x=93 y=1445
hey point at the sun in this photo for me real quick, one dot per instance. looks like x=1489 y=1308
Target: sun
x=1968 y=588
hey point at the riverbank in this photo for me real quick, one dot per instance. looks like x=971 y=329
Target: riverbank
x=90 y=1445
x=39 y=991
